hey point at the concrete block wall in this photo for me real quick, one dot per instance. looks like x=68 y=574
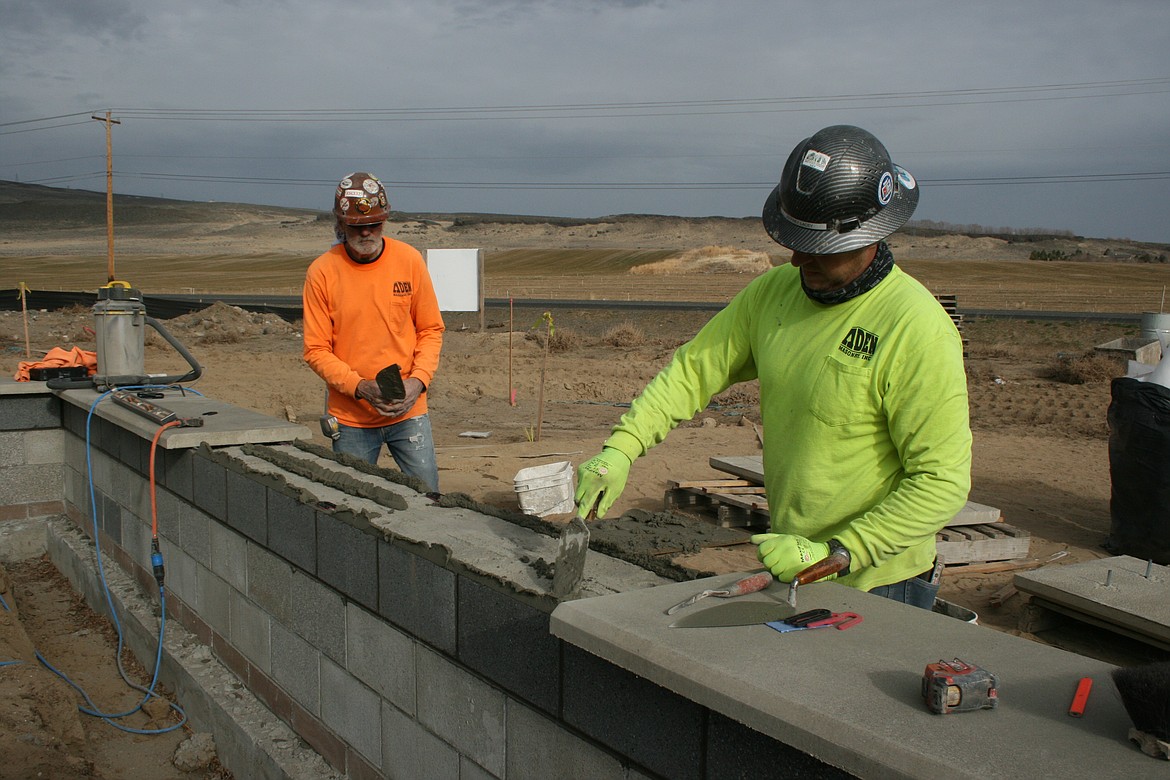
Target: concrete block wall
x=32 y=475
x=384 y=656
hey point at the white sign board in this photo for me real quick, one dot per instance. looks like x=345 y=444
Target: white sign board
x=458 y=278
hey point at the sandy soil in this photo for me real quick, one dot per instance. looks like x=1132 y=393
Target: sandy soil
x=1040 y=442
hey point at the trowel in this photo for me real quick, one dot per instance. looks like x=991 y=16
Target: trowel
x=837 y=562
x=570 y=565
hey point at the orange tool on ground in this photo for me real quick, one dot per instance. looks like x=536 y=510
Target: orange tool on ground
x=1081 y=697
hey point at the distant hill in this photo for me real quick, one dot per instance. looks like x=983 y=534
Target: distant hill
x=39 y=220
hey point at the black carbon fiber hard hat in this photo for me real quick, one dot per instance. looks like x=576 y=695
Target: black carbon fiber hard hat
x=839 y=191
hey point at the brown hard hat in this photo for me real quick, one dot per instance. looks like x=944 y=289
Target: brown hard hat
x=361 y=200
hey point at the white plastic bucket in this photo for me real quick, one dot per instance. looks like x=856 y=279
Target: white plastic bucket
x=1156 y=327
x=546 y=490
x=944 y=607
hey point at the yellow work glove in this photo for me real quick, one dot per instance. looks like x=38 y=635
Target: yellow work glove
x=600 y=480
x=786 y=555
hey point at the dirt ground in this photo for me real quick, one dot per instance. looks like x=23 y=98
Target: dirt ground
x=1038 y=415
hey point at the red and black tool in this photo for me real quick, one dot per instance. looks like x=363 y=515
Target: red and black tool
x=957 y=686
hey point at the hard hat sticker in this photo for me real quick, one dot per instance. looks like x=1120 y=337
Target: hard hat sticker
x=346 y=182
x=904 y=178
x=885 y=188
x=816 y=160
x=355 y=194
x=370 y=185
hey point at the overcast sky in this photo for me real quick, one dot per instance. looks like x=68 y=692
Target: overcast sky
x=1017 y=113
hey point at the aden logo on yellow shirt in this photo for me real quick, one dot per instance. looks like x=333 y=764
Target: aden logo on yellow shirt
x=859 y=343
x=401 y=288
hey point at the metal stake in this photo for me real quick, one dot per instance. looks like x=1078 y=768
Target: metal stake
x=1109 y=578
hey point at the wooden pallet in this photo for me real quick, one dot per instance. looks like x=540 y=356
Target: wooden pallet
x=751 y=468
x=741 y=503
x=729 y=503
x=982 y=543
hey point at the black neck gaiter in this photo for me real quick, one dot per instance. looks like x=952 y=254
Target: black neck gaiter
x=881 y=266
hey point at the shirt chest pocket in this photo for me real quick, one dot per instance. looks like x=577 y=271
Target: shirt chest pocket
x=844 y=394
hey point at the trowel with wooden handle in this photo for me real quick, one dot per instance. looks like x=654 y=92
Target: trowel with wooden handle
x=832 y=564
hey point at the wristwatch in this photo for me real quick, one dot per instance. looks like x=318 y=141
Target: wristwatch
x=836 y=548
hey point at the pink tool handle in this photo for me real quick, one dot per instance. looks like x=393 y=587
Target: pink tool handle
x=750 y=584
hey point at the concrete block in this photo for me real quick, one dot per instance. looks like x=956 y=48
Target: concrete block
x=292 y=530
x=380 y=656
x=21 y=539
x=73 y=419
x=136 y=539
x=247 y=506
x=229 y=556
x=109 y=516
x=130 y=488
x=508 y=642
x=178 y=472
x=352 y=710
x=251 y=632
x=28 y=484
x=347 y=557
x=317 y=613
x=195 y=531
x=736 y=751
x=46 y=446
x=269 y=582
x=181 y=573
x=23 y=413
x=417 y=595
x=11 y=449
x=134 y=451
x=658 y=729
x=209 y=486
x=461 y=709
x=409 y=750
x=540 y=748
x=213 y=597
x=170 y=508
x=296 y=667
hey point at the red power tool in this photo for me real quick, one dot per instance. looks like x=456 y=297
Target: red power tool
x=957 y=686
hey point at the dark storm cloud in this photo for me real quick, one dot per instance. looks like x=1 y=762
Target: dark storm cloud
x=587 y=109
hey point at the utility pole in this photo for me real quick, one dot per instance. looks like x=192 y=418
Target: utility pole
x=109 y=192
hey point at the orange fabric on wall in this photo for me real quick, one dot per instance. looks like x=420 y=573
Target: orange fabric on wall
x=58 y=357
x=360 y=318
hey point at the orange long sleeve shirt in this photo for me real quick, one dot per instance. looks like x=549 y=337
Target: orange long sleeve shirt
x=360 y=318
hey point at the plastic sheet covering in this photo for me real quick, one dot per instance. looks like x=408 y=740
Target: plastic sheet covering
x=1139 y=467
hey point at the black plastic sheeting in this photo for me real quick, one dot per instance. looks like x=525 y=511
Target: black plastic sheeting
x=161 y=307
x=1139 y=466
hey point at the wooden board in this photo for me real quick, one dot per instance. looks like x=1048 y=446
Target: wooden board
x=987 y=542
x=751 y=469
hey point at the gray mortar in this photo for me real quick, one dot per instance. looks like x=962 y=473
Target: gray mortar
x=636 y=537
x=391 y=475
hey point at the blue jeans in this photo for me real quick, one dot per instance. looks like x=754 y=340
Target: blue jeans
x=917 y=591
x=410 y=444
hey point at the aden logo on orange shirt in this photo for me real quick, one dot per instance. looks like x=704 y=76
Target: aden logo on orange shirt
x=402 y=288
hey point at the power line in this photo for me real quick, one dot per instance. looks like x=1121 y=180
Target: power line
x=610 y=185
x=889 y=100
